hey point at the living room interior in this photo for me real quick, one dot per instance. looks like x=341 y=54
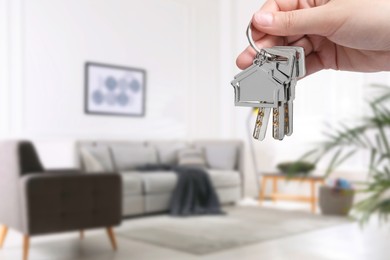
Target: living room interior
x=104 y=103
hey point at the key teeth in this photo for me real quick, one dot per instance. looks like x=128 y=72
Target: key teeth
x=255 y=135
x=285 y=75
x=289 y=114
x=259 y=138
x=261 y=123
x=275 y=124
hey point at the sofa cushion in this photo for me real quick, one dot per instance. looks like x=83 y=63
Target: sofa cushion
x=168 y=150
x=220 y=155
x=191 y=157
x=159 y=181
x=228 y=195
x=133 y=205
x=96 y=159
x=132 y=183
x=128 y=157
x=224 y=178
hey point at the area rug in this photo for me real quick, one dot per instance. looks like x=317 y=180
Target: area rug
x=242 y=225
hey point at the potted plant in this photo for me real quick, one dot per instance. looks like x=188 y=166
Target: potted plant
x=296 y=168
x=336 y=197
x=370 y=135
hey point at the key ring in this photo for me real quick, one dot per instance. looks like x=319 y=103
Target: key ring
x=262 y=55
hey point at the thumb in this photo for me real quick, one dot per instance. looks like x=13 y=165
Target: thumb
x=316 y=20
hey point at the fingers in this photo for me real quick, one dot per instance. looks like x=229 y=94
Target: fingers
x=291 y=39
x=313 y=63
x=245 y=59
x=282 y=22
x=315 y=20
x=313 y=60
x=269 y=6
x=287 y=5
x=305 y=43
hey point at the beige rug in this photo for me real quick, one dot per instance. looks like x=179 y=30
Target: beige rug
x=241 y=226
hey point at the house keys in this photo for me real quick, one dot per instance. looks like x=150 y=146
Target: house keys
x=269 y=84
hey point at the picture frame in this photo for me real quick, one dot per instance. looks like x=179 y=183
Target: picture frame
x=114 y=90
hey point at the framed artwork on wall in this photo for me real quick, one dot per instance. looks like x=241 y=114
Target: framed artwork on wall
x=114 y=90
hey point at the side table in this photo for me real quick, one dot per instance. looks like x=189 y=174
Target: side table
x=275 y=177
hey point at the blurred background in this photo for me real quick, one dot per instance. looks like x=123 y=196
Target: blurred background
x=188 y=50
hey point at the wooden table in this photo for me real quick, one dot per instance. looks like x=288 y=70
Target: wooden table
x=275 y=177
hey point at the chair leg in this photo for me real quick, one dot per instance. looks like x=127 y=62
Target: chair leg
x=81 y=234
x=274 y=188
x=111 y=235
x=26 y=246
x=3 y=234
x=313 y=196
x=262 y=191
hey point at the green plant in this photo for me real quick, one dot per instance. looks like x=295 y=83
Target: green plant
x=294 y=168
x=370 y=134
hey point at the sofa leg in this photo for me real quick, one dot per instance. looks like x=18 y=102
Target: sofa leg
x=81 y=234
x=26 y=246
x=3 y=234
x=111 y=235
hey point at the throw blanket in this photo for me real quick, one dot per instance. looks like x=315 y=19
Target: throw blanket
x=194 y=193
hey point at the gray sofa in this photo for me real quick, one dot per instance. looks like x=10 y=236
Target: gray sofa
x=145 y=193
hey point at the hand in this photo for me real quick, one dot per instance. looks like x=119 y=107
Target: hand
x=351 y=35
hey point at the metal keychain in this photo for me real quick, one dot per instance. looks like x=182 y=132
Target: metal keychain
x=270 y=84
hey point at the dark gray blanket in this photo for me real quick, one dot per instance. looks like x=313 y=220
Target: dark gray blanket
x=194 y=193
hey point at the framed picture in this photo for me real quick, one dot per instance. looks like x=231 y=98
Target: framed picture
x=114 y=90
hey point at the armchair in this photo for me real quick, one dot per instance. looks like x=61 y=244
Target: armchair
x=34 y=201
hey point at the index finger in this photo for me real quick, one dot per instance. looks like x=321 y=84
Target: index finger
x=268 y=6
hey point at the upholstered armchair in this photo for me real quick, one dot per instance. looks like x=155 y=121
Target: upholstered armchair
x=36 y=201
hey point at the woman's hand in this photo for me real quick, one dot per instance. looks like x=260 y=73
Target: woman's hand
x=352 y=35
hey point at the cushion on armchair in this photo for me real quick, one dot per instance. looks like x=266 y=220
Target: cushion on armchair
x=97 y=159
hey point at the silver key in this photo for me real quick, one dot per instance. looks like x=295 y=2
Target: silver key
x=290 y=105
x=261 y=124
x=269 y=84
x=261 y=85
x=298 y=71
x=299 y=59
x=282 y=121
x=266 y=86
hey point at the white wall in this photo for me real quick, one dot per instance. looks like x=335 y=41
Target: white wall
x=163 y=37
x=3 y=68
x=11 y=66
x=175 y=41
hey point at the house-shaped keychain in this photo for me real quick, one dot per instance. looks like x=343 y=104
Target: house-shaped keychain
x=263 y=84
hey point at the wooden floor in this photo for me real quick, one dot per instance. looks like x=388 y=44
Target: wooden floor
x=347 y=242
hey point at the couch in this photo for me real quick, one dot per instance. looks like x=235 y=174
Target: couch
x=146 y=193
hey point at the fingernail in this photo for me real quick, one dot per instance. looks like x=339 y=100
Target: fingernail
x=264 y=19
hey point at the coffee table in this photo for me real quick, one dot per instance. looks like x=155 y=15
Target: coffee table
x=275 y=177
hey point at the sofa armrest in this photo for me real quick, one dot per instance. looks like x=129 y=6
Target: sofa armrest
x=70 y=201
x=64 y=171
